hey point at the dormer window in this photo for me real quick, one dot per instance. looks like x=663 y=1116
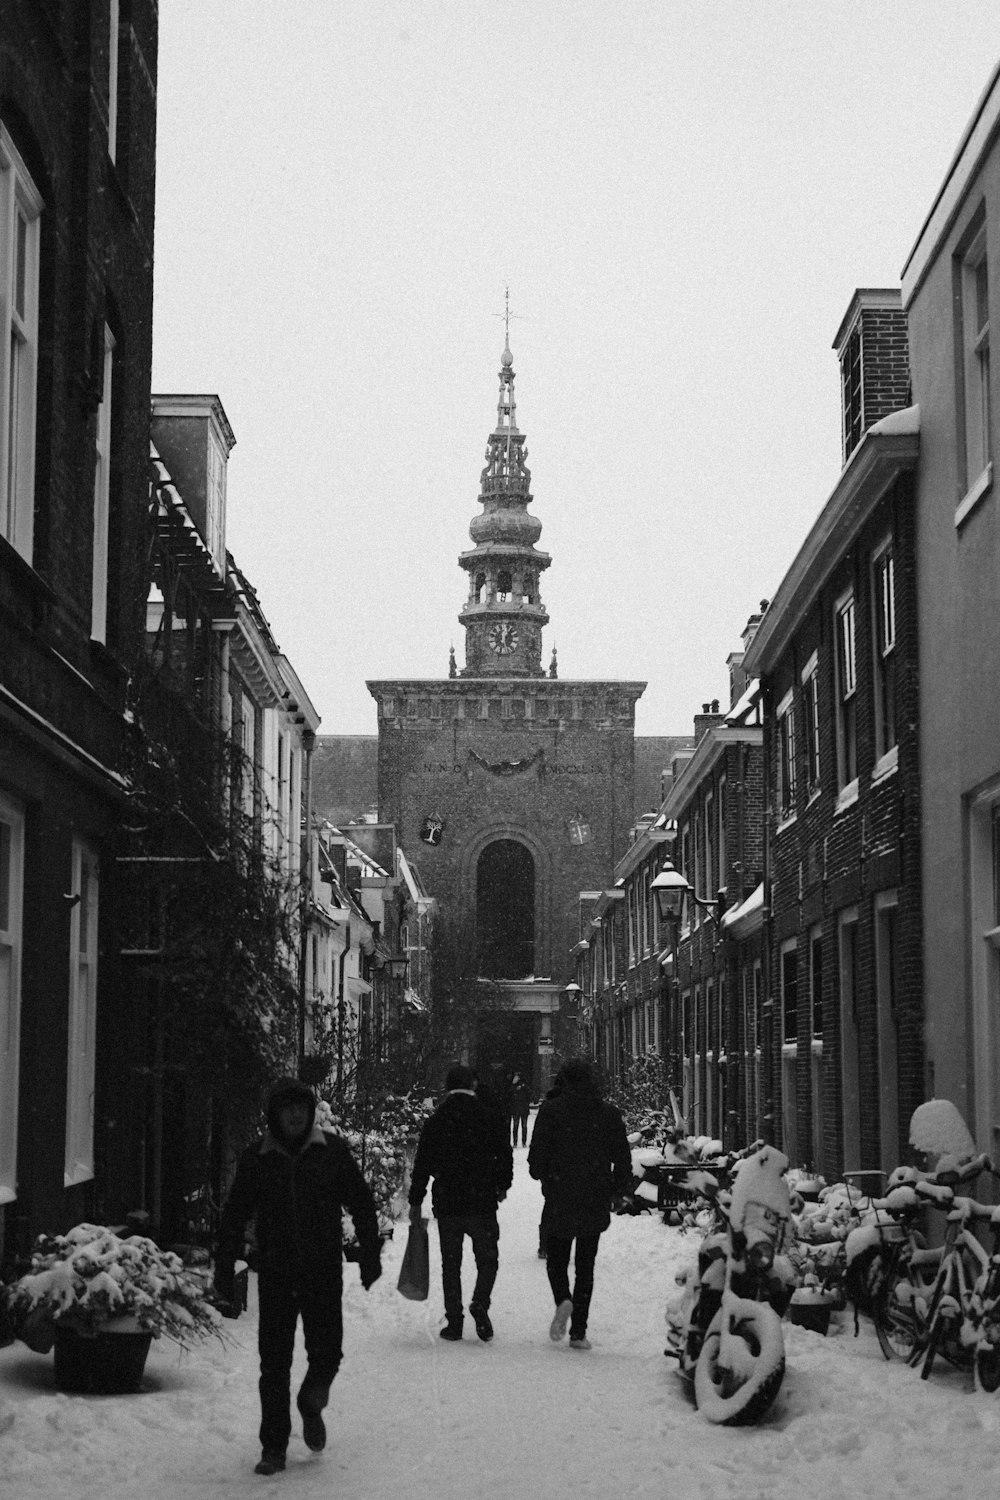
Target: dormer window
x=216 y=501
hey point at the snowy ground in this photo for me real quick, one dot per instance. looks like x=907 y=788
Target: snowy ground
x=413 y=1416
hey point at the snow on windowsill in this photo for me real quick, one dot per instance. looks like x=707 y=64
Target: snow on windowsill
x=885 y=765
x=847 y=797
x=977 y=492
x=902 y=423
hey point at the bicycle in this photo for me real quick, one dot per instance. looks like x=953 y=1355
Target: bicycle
x=933 y=1298
x=963 y=1320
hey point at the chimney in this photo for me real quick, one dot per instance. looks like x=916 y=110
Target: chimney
x=709 y=718
x=738 y=682
x=874 y=354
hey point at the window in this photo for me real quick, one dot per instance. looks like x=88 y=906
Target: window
x=886 y=986
x=11 y=897
x=630 y=906
x=789 y=974
x=973 y=339
x=984 y=953
x=20 y=206
x=82 y=1016
x=816 y=1045
x=644 y=910
x=216 y=506
x=884 y=638
x=850 y=1040
x=810 y=723
x=113 y=9
x=102 y=501
x=711 y=884
x=852 y=392
x=847 y=745
x=786 y=756
x=723 y=855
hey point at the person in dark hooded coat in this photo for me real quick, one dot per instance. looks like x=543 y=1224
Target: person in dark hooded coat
x=464 y=1147
x=580 y=1154
x=293 y=1183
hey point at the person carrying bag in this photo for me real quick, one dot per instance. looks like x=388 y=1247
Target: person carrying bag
x=415 y=1272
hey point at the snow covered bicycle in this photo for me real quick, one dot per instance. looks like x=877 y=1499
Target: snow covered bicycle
x=963 y=1314
x=941 y=1299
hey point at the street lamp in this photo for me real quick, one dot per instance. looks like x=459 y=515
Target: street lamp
x=670 y=888
x=573 y=991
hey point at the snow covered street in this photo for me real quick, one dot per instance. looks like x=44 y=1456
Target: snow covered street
x=413 y=1416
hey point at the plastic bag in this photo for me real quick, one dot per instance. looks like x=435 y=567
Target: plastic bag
x=415 y=1272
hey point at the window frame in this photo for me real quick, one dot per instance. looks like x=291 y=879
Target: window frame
x=883 y=603
x=846 y=679
x=102 y=498
x=81 y=1040
x=785 y=759
x=809 y=682
x=12 y=819
x=973 y=374
x=20 y=203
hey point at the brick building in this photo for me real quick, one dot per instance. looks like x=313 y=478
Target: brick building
x=690 y=991
x=515 y=786
x=77 y=140
x=836 y=654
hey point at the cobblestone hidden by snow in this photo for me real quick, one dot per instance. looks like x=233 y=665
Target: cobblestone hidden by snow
x=412 y=1416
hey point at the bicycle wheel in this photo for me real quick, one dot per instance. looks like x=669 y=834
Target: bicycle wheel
x=899 y=1323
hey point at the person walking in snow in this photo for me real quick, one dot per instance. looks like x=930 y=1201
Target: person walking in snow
x=580 y=1154
x=520 y=1105
x=293 y=1183
x=463 y=1147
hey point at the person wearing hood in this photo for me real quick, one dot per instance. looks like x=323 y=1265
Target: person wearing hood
x=580 y=1154
x=464 y=1147
x=293 y=1183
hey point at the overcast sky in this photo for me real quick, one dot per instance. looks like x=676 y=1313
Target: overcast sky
x=682 y=198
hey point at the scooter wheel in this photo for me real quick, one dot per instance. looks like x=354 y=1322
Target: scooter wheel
x=741 y=1395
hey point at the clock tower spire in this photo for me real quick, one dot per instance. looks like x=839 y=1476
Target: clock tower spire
x=503 y=614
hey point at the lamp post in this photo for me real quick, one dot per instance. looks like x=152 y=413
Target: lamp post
x=670 y=890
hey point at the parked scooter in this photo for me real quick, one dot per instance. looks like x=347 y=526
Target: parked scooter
x=726 y=1332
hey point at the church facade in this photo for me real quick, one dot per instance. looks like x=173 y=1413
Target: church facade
x=517 y=787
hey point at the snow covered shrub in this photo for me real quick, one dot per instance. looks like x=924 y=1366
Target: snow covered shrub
x=383 y=1150
x=642 y=1092
x=90 y=1277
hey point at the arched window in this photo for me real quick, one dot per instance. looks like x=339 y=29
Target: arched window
x=504 y=586
x=505 y=910
x=480 y=587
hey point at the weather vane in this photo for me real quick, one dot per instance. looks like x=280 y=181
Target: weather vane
x=506 y=314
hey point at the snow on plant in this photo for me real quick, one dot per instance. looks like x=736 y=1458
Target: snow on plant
x=382 y=1152
x=89 y=1277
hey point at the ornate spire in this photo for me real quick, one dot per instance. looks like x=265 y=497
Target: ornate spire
x=504 y=615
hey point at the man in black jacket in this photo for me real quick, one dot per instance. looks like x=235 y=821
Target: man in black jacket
x=579 y=1152
x=464 y=1147
x=293 y=1183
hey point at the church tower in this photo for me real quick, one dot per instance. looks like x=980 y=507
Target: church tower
x=510 y=789
x=503 y=614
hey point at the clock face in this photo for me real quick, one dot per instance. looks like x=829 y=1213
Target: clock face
x=503 y=638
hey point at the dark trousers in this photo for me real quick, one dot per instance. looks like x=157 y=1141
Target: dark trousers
x=281 y=1305
x=557 y=1261
x=516 y=1119
x=484 y=1232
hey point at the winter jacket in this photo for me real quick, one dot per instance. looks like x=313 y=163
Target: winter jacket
x=520 y=1100
x=295 y=1197
x=580 y=1153
x=464 y=1147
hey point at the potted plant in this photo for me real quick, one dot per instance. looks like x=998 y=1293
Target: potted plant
x=100 y=1300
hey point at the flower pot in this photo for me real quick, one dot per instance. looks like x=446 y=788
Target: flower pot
x=812 y=1315
x=110 y=1363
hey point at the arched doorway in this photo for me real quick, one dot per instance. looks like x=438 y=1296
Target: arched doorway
x=505 y=910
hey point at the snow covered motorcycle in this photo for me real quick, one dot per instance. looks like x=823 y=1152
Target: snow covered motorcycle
x=726 y=1331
